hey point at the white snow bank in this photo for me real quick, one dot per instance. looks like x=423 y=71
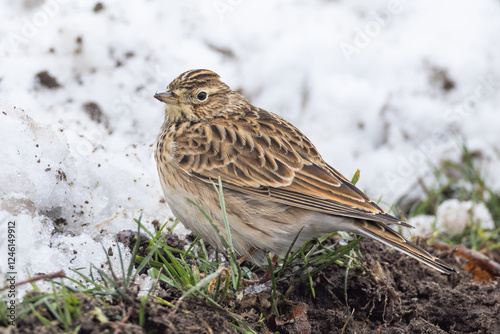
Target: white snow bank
x=366 y=81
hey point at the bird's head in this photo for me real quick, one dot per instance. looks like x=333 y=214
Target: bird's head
x=195 y=95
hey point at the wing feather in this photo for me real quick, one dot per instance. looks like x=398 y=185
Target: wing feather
x=264 y=155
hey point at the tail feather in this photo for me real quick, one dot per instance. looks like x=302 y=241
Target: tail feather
x=384 y=234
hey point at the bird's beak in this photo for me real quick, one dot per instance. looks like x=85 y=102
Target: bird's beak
x=166 y=97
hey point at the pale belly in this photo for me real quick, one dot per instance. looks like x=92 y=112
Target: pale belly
x=187 y=205
x=255 y=222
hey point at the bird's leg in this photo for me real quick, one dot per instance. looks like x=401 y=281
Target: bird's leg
x=267 y=275
x=247 y=256
x=227 y=268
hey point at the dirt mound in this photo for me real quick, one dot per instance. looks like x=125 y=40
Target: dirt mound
x=396 y=295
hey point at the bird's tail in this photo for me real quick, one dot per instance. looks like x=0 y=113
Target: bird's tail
x=384 y=234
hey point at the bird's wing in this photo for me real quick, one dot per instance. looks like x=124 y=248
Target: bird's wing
x=262 y=154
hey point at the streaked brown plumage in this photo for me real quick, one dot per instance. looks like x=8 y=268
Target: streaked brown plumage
x=275 y=181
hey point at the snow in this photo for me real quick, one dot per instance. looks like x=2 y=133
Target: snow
x=454 y=216
x=356 y=78
x=423 y=226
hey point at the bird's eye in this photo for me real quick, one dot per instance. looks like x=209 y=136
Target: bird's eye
x=202 y=96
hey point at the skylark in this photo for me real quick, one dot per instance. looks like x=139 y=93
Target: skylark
x=275 y=181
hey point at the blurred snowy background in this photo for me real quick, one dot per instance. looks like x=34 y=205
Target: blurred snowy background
x=384 y=86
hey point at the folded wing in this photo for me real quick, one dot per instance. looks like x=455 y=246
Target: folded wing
x=262 y=154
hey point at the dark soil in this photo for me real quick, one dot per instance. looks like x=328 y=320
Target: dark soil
x=398 y=295
x=45 y=79
x=394 y=294
x=100 y=317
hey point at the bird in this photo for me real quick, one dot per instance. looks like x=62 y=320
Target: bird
x=277 y=188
